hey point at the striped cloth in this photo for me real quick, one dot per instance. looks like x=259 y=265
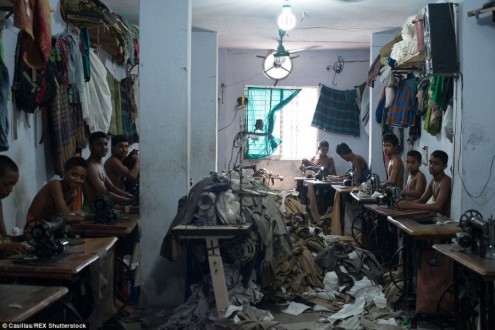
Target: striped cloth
x=66 y=128
x=337 y=112
x=403 y=109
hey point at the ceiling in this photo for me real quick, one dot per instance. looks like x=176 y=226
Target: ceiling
x=322 y=24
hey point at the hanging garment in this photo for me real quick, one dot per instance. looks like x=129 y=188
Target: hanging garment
x=4 y=96
x=337 y=112
x=403 y=109
x=69 y=46
x=116 y=120
x=436 y=98
x=66 y=128
x=34 y=18
x=97 y=107
x=129 y=109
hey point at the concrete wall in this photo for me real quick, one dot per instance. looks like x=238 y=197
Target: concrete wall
x=474 y=187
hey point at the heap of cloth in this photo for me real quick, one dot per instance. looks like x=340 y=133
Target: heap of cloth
x=294 y=263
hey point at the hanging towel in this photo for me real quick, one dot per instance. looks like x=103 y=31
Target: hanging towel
x=403 y=109
x=337 y=112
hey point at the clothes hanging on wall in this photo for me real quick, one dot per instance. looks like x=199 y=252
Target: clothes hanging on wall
x=34 y=18
x=66 y=129
x=4 y=96
x=97 y=107
x=439 y=94
x=403 y=109
x=69 y=47
x=129 y=109
x=337 y=112
x=116 y=120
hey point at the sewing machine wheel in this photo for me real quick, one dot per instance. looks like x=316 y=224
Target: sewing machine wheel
x=241 y=249
x=466 y=216
x=37 y=233
x=101 y=204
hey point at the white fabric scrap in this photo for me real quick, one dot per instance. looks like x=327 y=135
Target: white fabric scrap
x=295 y=308
x=360 y=285
x=390 y=321
x=331 y=281
x=348 y=310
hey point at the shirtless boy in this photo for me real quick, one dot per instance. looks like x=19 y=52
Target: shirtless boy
x=54 y=198
x=117 y=172
x=9 y=175
x=395 y=168
x=320 y=159
x=416 y=181
x=357 y=161
x=436 y=198
x=97 y=181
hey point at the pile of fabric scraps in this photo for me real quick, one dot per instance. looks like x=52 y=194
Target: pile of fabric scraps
x=293 y=263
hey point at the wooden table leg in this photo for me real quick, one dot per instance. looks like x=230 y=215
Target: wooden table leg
x=217 y=276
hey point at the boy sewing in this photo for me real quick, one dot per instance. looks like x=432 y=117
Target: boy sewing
x=436 y=198
x=97 y=181
x=321 y=159
x=117 y=172
x=9 y=175
x=357 y=161
x=55 y=197
x=395 y=167
x=416 y=181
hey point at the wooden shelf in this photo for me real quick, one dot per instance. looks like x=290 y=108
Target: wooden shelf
x=476 y=12
x=415 y=62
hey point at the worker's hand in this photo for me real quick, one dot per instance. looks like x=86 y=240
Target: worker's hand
x=404 y=205
x=14 y=248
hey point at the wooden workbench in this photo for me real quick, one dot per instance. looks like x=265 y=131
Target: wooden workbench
x=20 y=302
x=484 y=268
x=61 y=267
x=124 y=226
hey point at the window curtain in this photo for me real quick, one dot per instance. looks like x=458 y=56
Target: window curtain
x=260 y=101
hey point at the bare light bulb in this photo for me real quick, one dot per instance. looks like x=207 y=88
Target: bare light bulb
x=286 y=20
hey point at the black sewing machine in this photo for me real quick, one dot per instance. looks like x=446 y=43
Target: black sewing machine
x=48 y=238
x=478 y=233
x=102 y=208
x=374 y=181
x=390 y=197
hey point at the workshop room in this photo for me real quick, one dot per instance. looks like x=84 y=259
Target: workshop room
x=263 y=164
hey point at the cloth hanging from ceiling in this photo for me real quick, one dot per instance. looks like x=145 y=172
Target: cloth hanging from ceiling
x=129 y=109
x=337 y=112
x=403 y=109
x=97 y=107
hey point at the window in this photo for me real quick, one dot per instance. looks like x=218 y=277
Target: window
x=293 y=135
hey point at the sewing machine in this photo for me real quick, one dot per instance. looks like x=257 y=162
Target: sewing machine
x=390 y=197
x=102 y=208
x=47 y=238
x=478 y=233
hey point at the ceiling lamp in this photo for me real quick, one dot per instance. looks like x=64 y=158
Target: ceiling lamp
x=286 y=20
